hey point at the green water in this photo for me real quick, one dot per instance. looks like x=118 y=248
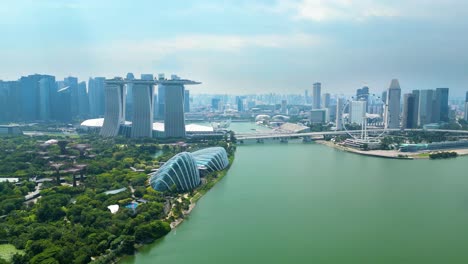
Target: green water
x=308 y=203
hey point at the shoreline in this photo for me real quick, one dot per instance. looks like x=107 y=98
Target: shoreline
x=391 y=154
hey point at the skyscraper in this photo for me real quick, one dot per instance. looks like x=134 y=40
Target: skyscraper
x=30 y=96
x=408 y=120
x=143 y=98
x=466 y=107
x=415 y=107
x=339 y=113
x=174 y=122
x=9 y=100
x=326 y=100
x=83 y=103
x=174 y=119
x=47 y=87
x=306 y=96
x=186 y=101
x=392 y=114
x=240 y=103
x=284 y=105
x=96 y=96
x=316 y=93
x=61 y=106
x=441 y=109
x=114 y=114
x=425 y=107
x=72 y=82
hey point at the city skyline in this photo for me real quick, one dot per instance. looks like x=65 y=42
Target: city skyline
x=343 y=44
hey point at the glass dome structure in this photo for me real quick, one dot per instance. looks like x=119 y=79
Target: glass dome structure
x=180 y=172
x=213 y=159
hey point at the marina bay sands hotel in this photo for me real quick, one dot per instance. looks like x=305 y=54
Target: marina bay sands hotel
x=142 y=92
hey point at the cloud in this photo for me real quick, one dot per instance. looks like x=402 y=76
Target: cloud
x=331 y=10
x=208 y=43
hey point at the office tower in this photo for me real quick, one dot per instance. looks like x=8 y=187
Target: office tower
x=326 y=100
x=441 y=110
x=316 y=93
x=72 y=82
x=215 y=104
x=47 y=88
x=415 y=108
x=61 y=105
x=284 y=105
x=357 y=112
x=114 y=115
x=408 y=120
x=306 y=97
x=425 y=107
x=466 y=97
x=240 y=103
x=83 y=103
x=96 y=96
x=129 y=96
x=186 y=101
x=143 y=98
x=392 y=115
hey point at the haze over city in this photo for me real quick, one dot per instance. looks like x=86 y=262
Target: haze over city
x=241 y=47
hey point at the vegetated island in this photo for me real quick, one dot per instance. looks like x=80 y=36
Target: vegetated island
x=56 y=196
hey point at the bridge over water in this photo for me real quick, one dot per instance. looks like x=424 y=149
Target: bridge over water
x=309 y=135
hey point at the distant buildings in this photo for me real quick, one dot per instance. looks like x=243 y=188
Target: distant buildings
x=284 y=107
x=316 y=95
x=215 y=104
x=392 y=113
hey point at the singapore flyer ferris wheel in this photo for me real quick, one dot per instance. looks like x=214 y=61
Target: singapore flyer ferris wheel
x=354 y=112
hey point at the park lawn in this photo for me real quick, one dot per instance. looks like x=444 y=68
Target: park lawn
x=7 y=251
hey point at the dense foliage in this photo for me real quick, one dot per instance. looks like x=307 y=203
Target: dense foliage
x=71 y=222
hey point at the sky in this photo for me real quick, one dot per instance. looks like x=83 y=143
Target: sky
x=243 y=46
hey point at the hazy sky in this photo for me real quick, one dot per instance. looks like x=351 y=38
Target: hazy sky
x=242 y=46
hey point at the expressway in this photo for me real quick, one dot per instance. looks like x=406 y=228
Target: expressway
x=263 y=135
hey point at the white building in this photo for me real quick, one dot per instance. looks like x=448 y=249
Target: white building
x=357 y=112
